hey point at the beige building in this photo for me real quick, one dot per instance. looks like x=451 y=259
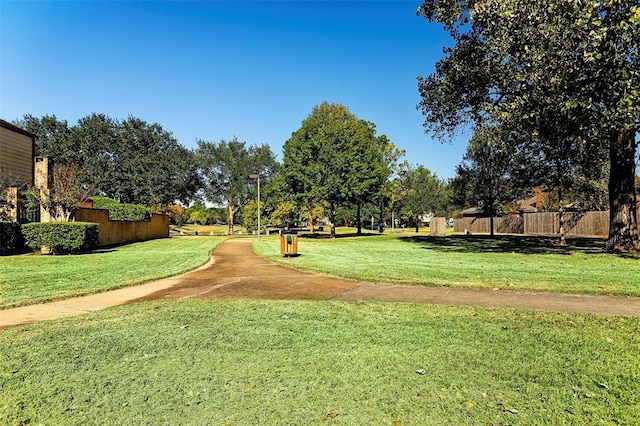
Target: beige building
x=17 y=149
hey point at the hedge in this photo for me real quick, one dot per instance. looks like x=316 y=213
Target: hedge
x=10 y=238
x=119 y=211
x=61 y=237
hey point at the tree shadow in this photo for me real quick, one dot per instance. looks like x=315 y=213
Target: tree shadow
x=523 y=244
x=325 y=236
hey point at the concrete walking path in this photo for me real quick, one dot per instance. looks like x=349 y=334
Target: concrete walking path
x=235 y=271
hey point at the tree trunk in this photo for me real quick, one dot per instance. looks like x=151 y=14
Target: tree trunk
x=417 y=224
x=492 y=211
x=560 y=217
x=623 y=225
x=332 y=219
x=310 y=216
x=358 y=218
x=230 y=218
x=491 y=224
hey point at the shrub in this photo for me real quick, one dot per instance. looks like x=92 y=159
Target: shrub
x=61 y=237
x=119 y=211
x=10 y=237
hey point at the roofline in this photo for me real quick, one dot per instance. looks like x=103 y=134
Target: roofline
x=17 y=129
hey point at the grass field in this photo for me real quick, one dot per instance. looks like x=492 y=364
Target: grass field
x=503 y=262
x=34 y=278
x=192 y=229
x=292 y=362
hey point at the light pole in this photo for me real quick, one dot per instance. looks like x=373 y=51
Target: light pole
x=257 y=176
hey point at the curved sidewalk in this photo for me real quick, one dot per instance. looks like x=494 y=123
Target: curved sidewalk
x=235 y=271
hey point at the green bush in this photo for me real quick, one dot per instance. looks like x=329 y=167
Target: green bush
x=119 y=211
x=10 y=238
x=61 y=237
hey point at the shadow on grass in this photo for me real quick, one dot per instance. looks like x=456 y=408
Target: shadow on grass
x=508 y=244
x=320 y=236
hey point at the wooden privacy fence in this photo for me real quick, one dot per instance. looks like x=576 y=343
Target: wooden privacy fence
x=124 y=231
x=481 y=225
x=584 y=224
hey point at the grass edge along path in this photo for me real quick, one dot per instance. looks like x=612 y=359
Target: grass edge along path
x=26 y=280
x=532 y=264
x=310 y=362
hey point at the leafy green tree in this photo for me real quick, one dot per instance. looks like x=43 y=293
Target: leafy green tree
x=150 y=166
x=177 y=214
x=566 y=73
x=285 y=212
x=250 y=215
x=333 y=158
x=198 y=217
x=131 y=160
x=225 y=167
x=53 y=138
x=422 y=192
x=384 y=195
x=482 y=178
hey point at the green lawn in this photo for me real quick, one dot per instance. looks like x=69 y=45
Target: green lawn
x=505 y=262
x=34 y=278
x=301 y=362
x=191 y=229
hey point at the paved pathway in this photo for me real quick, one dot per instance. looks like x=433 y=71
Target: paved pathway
x=235 y=271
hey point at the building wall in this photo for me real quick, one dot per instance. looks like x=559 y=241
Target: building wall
x=16 y=153
x=123 y=231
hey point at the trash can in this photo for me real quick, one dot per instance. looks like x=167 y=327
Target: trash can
x=288 y=245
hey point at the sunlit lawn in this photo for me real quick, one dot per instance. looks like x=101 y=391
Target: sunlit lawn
x=35 y=278
x=295 y=362
x=191 y=229
x=504 y=262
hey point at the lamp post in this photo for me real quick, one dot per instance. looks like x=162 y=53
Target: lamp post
x=257 y=176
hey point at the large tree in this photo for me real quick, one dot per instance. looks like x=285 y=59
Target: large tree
x=225 y=167
x=421 y=192
x=131 y=160
x=565 y=73
x=334 y=158
x=482 y=179
x=149 y=166
x=53 y=138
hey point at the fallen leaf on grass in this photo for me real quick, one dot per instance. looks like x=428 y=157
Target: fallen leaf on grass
x=332 y=415
x=508 y=408
x=185 y=326
x=468 y=403
x=421 y=372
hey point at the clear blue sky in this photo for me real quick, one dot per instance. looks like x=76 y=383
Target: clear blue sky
x=214 y=70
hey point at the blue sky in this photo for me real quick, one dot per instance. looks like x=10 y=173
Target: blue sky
x=214 y=70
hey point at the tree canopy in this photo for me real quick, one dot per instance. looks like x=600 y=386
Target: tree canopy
x=334 y=158
x=561 y=78
x=420 y=192
x=131 y=160
x=225 y=167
